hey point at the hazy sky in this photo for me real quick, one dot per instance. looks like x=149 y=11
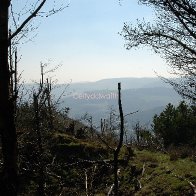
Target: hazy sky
x=84 y=39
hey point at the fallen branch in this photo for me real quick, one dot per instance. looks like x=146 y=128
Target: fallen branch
x=193 y=187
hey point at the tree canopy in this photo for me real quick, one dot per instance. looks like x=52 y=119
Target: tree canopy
x=173 y=36
x=176 y=125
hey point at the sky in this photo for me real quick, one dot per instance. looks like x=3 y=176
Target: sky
x=84 y=39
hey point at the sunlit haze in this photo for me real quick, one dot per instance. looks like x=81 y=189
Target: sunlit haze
x=84 y=38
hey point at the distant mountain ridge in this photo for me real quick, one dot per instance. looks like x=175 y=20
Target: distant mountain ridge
x=127 y=83
x=147 y=95
x=109 y=84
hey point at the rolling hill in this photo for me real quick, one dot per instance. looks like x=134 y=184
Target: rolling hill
x=148 y=96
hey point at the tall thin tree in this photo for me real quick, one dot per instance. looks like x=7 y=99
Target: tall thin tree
x=8 y=178
x=8 y=184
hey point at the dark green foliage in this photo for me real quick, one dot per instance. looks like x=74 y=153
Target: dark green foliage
x=71 y=152
x=176 y=125
x=65 y=171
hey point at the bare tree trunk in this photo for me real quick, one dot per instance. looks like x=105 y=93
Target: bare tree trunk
x=117 y=150
x=51 y=125
x=41 y=179
x=8 y=185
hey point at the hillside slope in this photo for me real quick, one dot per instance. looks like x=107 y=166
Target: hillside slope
x=78 y=159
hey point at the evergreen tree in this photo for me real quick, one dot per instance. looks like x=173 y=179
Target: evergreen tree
x=176 y=125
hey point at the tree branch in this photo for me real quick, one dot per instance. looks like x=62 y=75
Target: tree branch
x=34 y=14
x=177 y=14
